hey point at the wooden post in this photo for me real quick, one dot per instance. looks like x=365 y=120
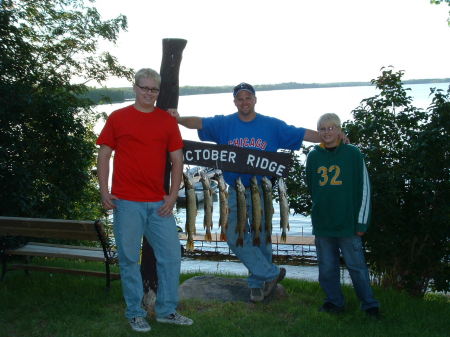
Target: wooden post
x=168 y=98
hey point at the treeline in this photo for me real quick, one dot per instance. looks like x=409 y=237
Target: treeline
x=111 y=95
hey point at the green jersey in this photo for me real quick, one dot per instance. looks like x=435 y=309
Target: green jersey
x=340 y=189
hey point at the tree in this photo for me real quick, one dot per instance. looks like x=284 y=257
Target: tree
x=408 y=158
x=47 y=144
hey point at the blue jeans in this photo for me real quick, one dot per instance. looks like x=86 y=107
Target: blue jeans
x=328 y=256
x=257 y=259
x=132 y=220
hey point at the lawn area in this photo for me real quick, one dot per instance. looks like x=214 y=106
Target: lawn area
x=63 y=305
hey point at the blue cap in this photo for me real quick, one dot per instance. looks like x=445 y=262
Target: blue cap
x=243 y=86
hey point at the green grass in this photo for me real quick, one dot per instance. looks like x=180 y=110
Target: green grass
x=63 y=305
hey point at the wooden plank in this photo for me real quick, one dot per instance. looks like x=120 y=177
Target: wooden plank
x=294 y=240
x=290 y=240
x=113 y=276
x=48 y=228
x=70 y=252
x=66 y=246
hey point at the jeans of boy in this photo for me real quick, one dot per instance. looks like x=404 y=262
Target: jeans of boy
x=328 y=249
x=257 y=259
x=132 y=220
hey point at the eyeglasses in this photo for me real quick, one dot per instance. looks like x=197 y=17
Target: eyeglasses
x=147 y=89
x=329 y=129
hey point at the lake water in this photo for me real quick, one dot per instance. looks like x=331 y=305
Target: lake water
x=299 y=107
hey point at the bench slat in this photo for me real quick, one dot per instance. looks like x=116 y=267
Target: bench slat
x=48 y=228
x=113 y=276
x=74 y=252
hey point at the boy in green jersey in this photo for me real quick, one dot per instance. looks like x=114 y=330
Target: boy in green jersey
x=339 y=185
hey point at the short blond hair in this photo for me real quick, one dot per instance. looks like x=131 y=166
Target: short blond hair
x=329 y=118
x=147 y=73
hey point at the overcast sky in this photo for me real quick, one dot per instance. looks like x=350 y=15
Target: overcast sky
x=263 y=42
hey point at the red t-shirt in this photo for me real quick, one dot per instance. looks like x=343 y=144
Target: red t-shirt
x=141 y=141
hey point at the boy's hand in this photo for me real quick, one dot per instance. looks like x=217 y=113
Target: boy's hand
x=167 y=207
x=360 y=233
x=108 y=200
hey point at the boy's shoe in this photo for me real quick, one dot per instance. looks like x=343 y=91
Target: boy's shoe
x=269 y=286
x=331 y=308
x=256 y=294
x=373 y=312
x=175 y=318
x=139 y=324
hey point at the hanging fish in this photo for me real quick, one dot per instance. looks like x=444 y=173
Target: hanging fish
x=241 y=212
x=284 y=208
x=191 y=211
x=207 y=205
x=268 y=207
x=224 y=210
x=257 y=211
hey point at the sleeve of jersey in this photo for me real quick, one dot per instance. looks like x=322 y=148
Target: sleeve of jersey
x=290 y=137
x=365 y=206
x=212 y=129
x=106 y=136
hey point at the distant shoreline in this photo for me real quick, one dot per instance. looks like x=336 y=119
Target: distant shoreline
x=117 y=95
x=201 y=90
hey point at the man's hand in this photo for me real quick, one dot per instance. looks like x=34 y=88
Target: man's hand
x=360 y=233
x=344 y=138
x=174 y=113
x=167 y=208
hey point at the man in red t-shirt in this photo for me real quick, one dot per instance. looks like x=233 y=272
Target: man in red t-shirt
x=140 y=136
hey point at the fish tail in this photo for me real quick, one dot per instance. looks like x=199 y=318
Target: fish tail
x=283 y=236
x=208 y=236
x=223 y=237
x=190 y=245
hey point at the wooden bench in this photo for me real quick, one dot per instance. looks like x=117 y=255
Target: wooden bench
x=58 y=229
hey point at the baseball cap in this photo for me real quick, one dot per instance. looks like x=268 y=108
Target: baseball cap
x=243 y=86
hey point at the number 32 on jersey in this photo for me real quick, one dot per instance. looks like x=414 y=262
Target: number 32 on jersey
x=330 y=175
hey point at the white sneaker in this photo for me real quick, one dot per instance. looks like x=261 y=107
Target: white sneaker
x=175 y=318
x=139 y=324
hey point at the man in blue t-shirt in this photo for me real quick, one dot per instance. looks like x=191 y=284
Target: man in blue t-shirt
x=249 y=129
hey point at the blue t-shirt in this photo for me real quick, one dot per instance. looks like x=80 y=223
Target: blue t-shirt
x=262 y=133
